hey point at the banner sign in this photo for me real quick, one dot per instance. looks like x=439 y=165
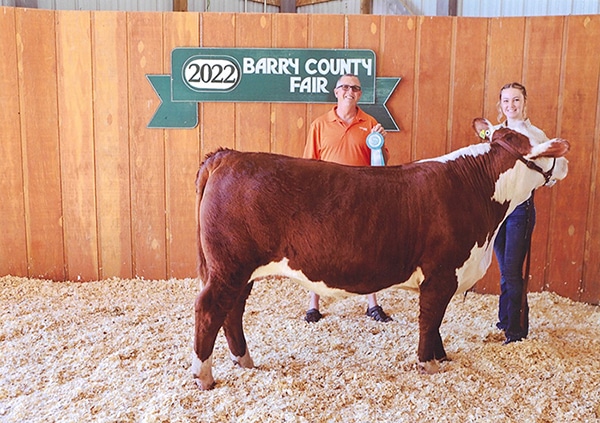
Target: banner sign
x=264 y=75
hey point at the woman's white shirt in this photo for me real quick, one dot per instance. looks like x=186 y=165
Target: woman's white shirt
x=535 y=134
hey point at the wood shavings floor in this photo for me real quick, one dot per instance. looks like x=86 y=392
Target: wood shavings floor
x=119 y=351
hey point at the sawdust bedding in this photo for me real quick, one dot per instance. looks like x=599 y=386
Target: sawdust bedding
x=119 y=351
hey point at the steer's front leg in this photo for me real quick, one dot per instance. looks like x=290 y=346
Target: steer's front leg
x=435 y=294
x=202 y=372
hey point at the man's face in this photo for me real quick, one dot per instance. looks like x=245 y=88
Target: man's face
x=346 y=90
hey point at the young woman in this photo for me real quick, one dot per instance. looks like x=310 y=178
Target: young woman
x=513 y=238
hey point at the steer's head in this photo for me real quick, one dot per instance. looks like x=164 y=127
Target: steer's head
x=546 y=158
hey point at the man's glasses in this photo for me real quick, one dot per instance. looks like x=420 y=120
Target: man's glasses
x=355 y=88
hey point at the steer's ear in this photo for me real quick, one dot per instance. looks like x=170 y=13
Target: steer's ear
x=483 y=128
x=556 y=147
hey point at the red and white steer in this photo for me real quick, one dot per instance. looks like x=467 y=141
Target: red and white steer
x=428 y=226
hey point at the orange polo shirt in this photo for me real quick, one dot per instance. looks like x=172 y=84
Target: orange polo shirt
x=331 y=139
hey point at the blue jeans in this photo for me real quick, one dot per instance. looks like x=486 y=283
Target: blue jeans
x=511 y=247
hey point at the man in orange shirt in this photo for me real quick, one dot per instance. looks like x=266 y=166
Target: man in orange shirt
x=340 y=136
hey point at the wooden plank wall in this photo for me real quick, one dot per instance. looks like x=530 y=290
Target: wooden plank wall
x=90 y=193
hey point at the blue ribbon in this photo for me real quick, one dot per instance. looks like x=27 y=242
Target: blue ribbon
x=375 y=142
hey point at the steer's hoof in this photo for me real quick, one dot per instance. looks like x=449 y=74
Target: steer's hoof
x=205 y=386
x=202 y=373
x=244 y=361
x=429 y=367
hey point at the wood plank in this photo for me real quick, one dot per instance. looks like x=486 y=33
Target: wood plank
x=308 y=2
x=324 y=31
x=253 y=120
x=467 y=81
x=269 y=2
x=396 y=58
x=367 y=32
x=364 y=32
x=287 y=6
x=180 y=5
x=217 y=120
x=182 y=148
x=572 y=219
x=289 y=125
x=541 y=75
x=433 y=86
x=147 y=146
x=365 y=6
x=13 y=253
x=77 y=144
x=504 y=62
x=111 y=136
x=39 y=131
x=590 y=286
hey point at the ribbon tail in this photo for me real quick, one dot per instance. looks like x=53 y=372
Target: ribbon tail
x=384 y=87
x=170 y=114
x=377 y=157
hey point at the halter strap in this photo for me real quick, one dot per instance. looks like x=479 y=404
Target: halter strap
x=529 y=163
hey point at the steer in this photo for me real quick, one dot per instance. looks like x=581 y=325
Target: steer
x=428 y=226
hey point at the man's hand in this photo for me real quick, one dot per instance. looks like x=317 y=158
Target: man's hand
x=379 y=128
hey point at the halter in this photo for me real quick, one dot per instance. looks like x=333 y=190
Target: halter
x=529 y=163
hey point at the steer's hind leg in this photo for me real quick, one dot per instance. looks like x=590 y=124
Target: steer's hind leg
x=212 y=306
x=234 y=330
x=435 y=294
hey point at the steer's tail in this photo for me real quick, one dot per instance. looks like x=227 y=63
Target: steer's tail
x=209 y=163
x=201 y=178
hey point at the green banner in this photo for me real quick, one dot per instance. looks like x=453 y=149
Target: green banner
x=264 y=75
